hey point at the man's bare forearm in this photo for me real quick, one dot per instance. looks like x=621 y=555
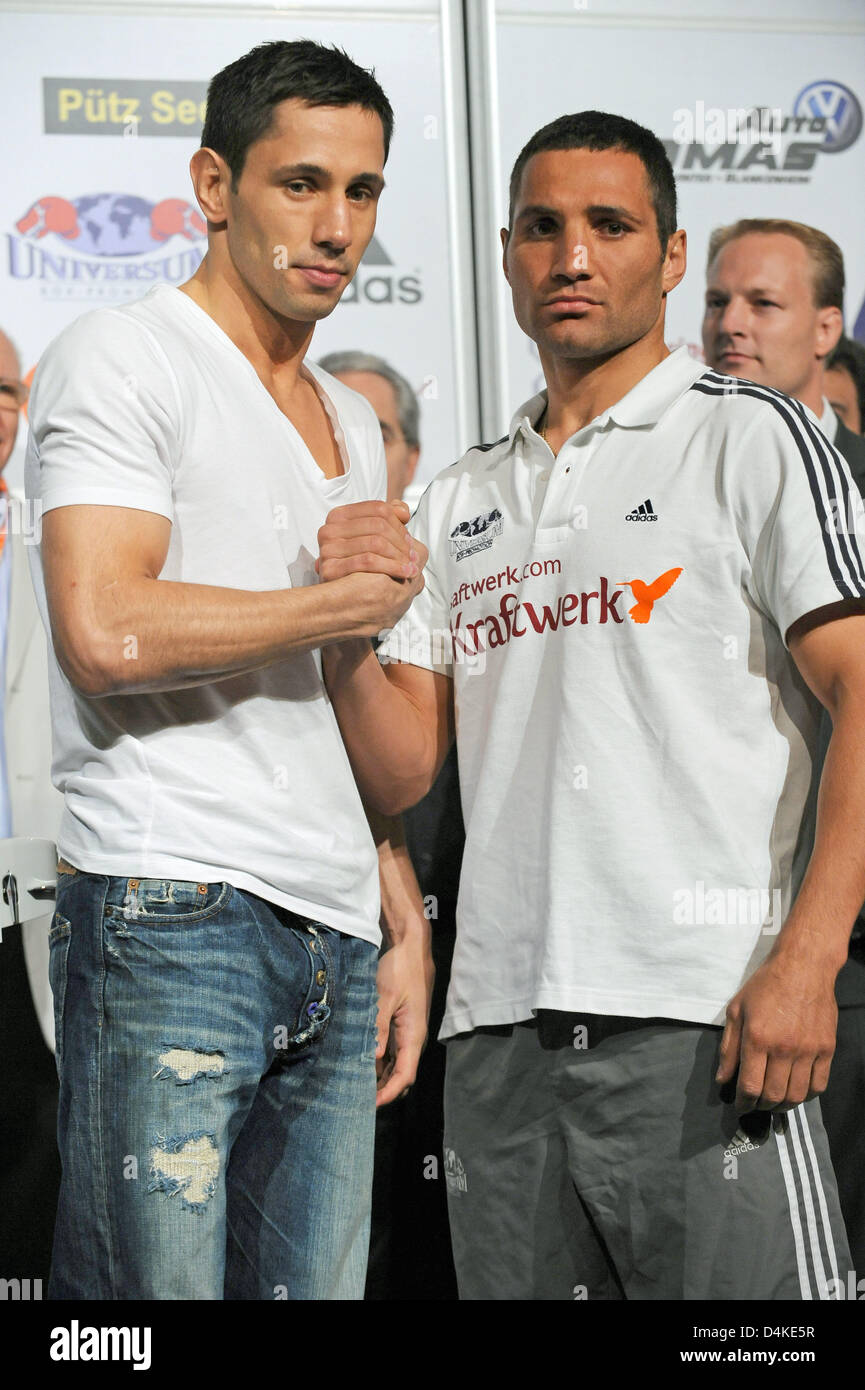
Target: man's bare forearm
x=833 y=888
x=402 y=906
x=154 y=634
x=389 y=742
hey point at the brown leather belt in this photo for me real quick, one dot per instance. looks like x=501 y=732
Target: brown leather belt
x=63 y=867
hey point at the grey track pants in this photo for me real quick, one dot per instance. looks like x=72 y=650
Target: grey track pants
x=593 y=1157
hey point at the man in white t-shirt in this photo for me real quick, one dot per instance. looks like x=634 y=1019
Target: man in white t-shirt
x=633 y=607
x=215 y=941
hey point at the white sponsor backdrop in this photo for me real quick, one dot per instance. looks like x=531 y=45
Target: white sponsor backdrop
x=91 y=241
x=646 y=62
x=414 y=300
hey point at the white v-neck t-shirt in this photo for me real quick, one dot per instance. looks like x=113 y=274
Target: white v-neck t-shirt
x=635 y=741
x=246 y=779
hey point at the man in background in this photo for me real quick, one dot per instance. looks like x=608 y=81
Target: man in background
x=29 y=805
x=845 y=383
x=410 y=1247
x=395 y=404
x=774 y=304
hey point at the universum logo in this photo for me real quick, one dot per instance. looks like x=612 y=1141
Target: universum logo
x=104 y=245
x=76 y=1343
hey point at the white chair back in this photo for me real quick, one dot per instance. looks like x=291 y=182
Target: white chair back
x=28 y=880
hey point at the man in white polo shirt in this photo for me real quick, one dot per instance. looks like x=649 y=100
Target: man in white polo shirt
x=214 y=945
x=774 y=307
x=626 y=601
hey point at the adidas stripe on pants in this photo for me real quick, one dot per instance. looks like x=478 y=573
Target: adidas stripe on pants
x=604 y=1163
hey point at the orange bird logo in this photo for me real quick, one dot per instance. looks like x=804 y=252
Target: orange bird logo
x=647 y=594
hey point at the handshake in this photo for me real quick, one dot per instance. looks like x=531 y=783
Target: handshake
x=365 y=546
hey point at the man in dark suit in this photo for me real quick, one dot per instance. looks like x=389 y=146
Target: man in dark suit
x=29 y=805
x=845 y=383
x=774 y=306
x=852 y=446
x=410 y=1248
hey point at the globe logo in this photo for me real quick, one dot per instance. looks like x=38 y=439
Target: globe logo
x=838 y=107
x=112 y=224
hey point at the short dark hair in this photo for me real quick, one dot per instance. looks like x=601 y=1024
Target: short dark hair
x=241 y=98
x=597 y=130
x=849 y=356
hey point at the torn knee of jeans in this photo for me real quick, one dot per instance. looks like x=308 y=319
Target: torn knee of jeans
x=185 y=1164
x=187 y=1064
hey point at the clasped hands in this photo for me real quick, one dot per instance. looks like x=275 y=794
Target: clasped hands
x=367 y=546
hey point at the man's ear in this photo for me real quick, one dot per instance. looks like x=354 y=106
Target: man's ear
x=211 y=180
x=830 y=326
x=676 y=260
x=504 y=234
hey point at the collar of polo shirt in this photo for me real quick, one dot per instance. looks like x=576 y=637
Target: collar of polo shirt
x=643 y=405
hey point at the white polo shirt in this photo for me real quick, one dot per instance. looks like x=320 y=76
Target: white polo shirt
x=244 y=779
x=634 y=757
x=829 y=421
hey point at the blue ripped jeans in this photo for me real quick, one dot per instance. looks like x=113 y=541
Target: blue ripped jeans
x=216 y=1056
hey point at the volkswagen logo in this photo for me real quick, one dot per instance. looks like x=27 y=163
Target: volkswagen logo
x=838 y=107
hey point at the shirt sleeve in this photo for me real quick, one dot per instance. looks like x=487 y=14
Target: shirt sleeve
x=104 y=418
x=422 y=637
x=379 y=467
x=800 y=516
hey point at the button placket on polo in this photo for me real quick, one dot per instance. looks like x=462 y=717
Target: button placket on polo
x=532 y=456
x=566 y=474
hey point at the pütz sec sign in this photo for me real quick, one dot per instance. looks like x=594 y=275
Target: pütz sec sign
x=122 y=106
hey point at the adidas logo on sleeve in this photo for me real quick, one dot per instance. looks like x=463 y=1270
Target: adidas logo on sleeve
x=645 y=512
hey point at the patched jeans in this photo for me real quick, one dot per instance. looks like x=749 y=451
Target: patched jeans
x=216 y=1056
